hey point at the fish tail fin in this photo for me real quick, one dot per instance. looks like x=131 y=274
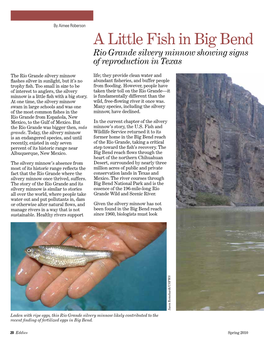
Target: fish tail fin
x=115 y=256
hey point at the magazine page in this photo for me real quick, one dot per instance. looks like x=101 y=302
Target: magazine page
x=132 y=170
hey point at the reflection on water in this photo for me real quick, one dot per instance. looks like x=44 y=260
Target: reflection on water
x=220 y=258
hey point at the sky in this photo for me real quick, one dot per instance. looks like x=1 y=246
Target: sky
x=253 y=82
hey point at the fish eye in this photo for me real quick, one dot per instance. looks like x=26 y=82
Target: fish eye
x=29 y=250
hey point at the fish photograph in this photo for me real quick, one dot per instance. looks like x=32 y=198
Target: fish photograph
x=88 y=266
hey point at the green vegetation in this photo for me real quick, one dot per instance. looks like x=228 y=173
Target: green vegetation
x=261 y=204
x=209 y=199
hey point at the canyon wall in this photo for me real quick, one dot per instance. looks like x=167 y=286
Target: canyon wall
x=220 y=140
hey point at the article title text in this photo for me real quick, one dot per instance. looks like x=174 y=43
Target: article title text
x=153 y=38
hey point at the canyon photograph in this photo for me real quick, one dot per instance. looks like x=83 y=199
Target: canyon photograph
x=220 y=194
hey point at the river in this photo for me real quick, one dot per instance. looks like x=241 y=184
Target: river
x=220 y=258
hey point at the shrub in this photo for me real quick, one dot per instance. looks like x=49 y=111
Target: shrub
x=209 y=199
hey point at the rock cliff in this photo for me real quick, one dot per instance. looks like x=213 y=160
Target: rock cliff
x=220 y=140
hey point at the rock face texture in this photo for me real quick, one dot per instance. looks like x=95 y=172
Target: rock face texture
x=220 y=140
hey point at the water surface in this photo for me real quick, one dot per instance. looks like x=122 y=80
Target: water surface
x=220 y=258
